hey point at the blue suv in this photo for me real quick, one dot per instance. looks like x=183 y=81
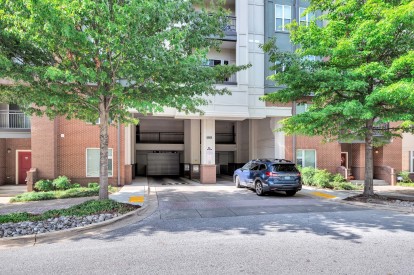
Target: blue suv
x=266 y=175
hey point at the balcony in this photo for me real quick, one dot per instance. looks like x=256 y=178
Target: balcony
x=230 y=32
x=160 y=137
x=225 y=138
x=14 y=120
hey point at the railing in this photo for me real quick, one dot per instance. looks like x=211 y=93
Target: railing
x=385 y=173
x=14 y=120
x=230 y=28
x=378 y=132
x=225 y=138
x=160 y=137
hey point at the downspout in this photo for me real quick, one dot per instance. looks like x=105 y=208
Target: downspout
x=118 y=150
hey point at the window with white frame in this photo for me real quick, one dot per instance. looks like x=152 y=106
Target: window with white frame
x=411 y=159
x=306 y=158
x=92 y=162
x=283 y=16
x=305 y=18
x=302 y=107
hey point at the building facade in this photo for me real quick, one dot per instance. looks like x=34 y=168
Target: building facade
x=232 y=130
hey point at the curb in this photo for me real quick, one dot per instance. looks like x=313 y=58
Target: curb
x=406 y=210
x=148 y=208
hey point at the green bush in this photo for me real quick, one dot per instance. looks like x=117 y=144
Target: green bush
x=345 y=186
x=93 y=185
x=405 y=176
x=61 y=183
x=338 y=178
x=322 y=179
x=307 y=175
x=34 y=196
x=44 y=185
x=75 y=185
x=59 y=194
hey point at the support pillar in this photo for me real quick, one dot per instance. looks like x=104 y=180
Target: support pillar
x=208 y=151
x=192 y=148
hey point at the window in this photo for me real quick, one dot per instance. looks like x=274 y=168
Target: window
x=305 y=19
x=92 y=162
x=411 y=159
x=302 y=107
x=306 y=158
x=283 y=14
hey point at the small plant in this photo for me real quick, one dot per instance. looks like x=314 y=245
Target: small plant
x=61 y=183
x=338 y=178
x=322 y=179
x=75 y=185
x=93 y=185
x=405 y=175
x=44 y=185
x=307 y=175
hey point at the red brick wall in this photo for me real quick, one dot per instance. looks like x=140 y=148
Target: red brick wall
x=78 y=136
x=8 y=160
x=328 y=155
x=2 y=161
x=392 y=154
x=44 y=147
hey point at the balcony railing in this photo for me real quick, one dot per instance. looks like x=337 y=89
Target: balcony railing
x=160 y=137
x=230 y=28
x=14 y=120
x=378 y=133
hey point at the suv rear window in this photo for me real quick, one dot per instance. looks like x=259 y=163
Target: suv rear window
x=284 y=168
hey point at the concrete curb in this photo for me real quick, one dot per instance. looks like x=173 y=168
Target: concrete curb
x=140 y=214
x=405 y=210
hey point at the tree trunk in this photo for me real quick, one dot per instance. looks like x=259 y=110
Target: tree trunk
x=369 y=160
x=104 y=139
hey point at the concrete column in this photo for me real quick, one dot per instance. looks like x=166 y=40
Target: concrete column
x=279 y=139
x=129 y=153
x=208 y=151
x=44 y=146
x=192 y=148
x=252 y=139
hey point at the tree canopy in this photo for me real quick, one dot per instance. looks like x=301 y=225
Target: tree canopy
x=94 y=59
x=361 y=78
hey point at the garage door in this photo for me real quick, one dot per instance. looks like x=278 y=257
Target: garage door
x=163 y=164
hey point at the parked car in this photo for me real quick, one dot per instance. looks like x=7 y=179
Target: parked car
x=266 y=175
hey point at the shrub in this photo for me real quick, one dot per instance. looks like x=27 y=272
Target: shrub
x=61 y=183
x=322 y=179
x=34 y=196
x=338 y=178
x=345 y=186
x=75 y=185
x=405 y=176
x=44 y=185
x=307 y=175
x=93 y=185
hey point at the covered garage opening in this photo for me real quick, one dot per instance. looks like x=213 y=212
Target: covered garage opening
x=159 y=163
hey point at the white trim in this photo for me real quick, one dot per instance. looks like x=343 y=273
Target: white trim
x=17 y=163
x=86 y=162
x=411 y=158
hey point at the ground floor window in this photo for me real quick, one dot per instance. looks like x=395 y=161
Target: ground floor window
x=411 y=160
x=92 y=162
x=306 y=158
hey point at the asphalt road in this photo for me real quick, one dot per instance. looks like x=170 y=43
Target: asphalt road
x=224 y=230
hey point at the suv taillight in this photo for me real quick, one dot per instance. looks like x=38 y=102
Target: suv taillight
x=268 y=174
x=271 y=174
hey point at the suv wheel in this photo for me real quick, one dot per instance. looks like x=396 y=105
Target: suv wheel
x=259 y=188
x=290 y=193
x=237 y=182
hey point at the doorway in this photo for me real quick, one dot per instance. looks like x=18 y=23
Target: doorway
x=24 y=163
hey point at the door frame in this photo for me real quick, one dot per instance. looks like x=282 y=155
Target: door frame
x=17 y=164
x=347 y=159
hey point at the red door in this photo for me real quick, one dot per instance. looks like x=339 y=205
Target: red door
x=24 y=164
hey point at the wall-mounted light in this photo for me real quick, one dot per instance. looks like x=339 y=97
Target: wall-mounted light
x=376 y=151
x=8 y=150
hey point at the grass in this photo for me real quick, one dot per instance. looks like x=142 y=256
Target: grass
x=91 y=207
x=406 y=184
x=60 y=194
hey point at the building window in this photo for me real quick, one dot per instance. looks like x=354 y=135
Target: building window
x=302 y=107
x=306 y=158
x=92 y=162
x=283 y=14
x=411 y=158
x=305 y=19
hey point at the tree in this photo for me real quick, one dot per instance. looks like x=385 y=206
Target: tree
x=362 y=79
x=102 y=57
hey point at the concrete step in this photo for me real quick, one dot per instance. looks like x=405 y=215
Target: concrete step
x=376 y=182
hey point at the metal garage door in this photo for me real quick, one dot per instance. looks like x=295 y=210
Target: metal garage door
x=163 y=164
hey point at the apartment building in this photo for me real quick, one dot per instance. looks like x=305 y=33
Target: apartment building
x=233 y=129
